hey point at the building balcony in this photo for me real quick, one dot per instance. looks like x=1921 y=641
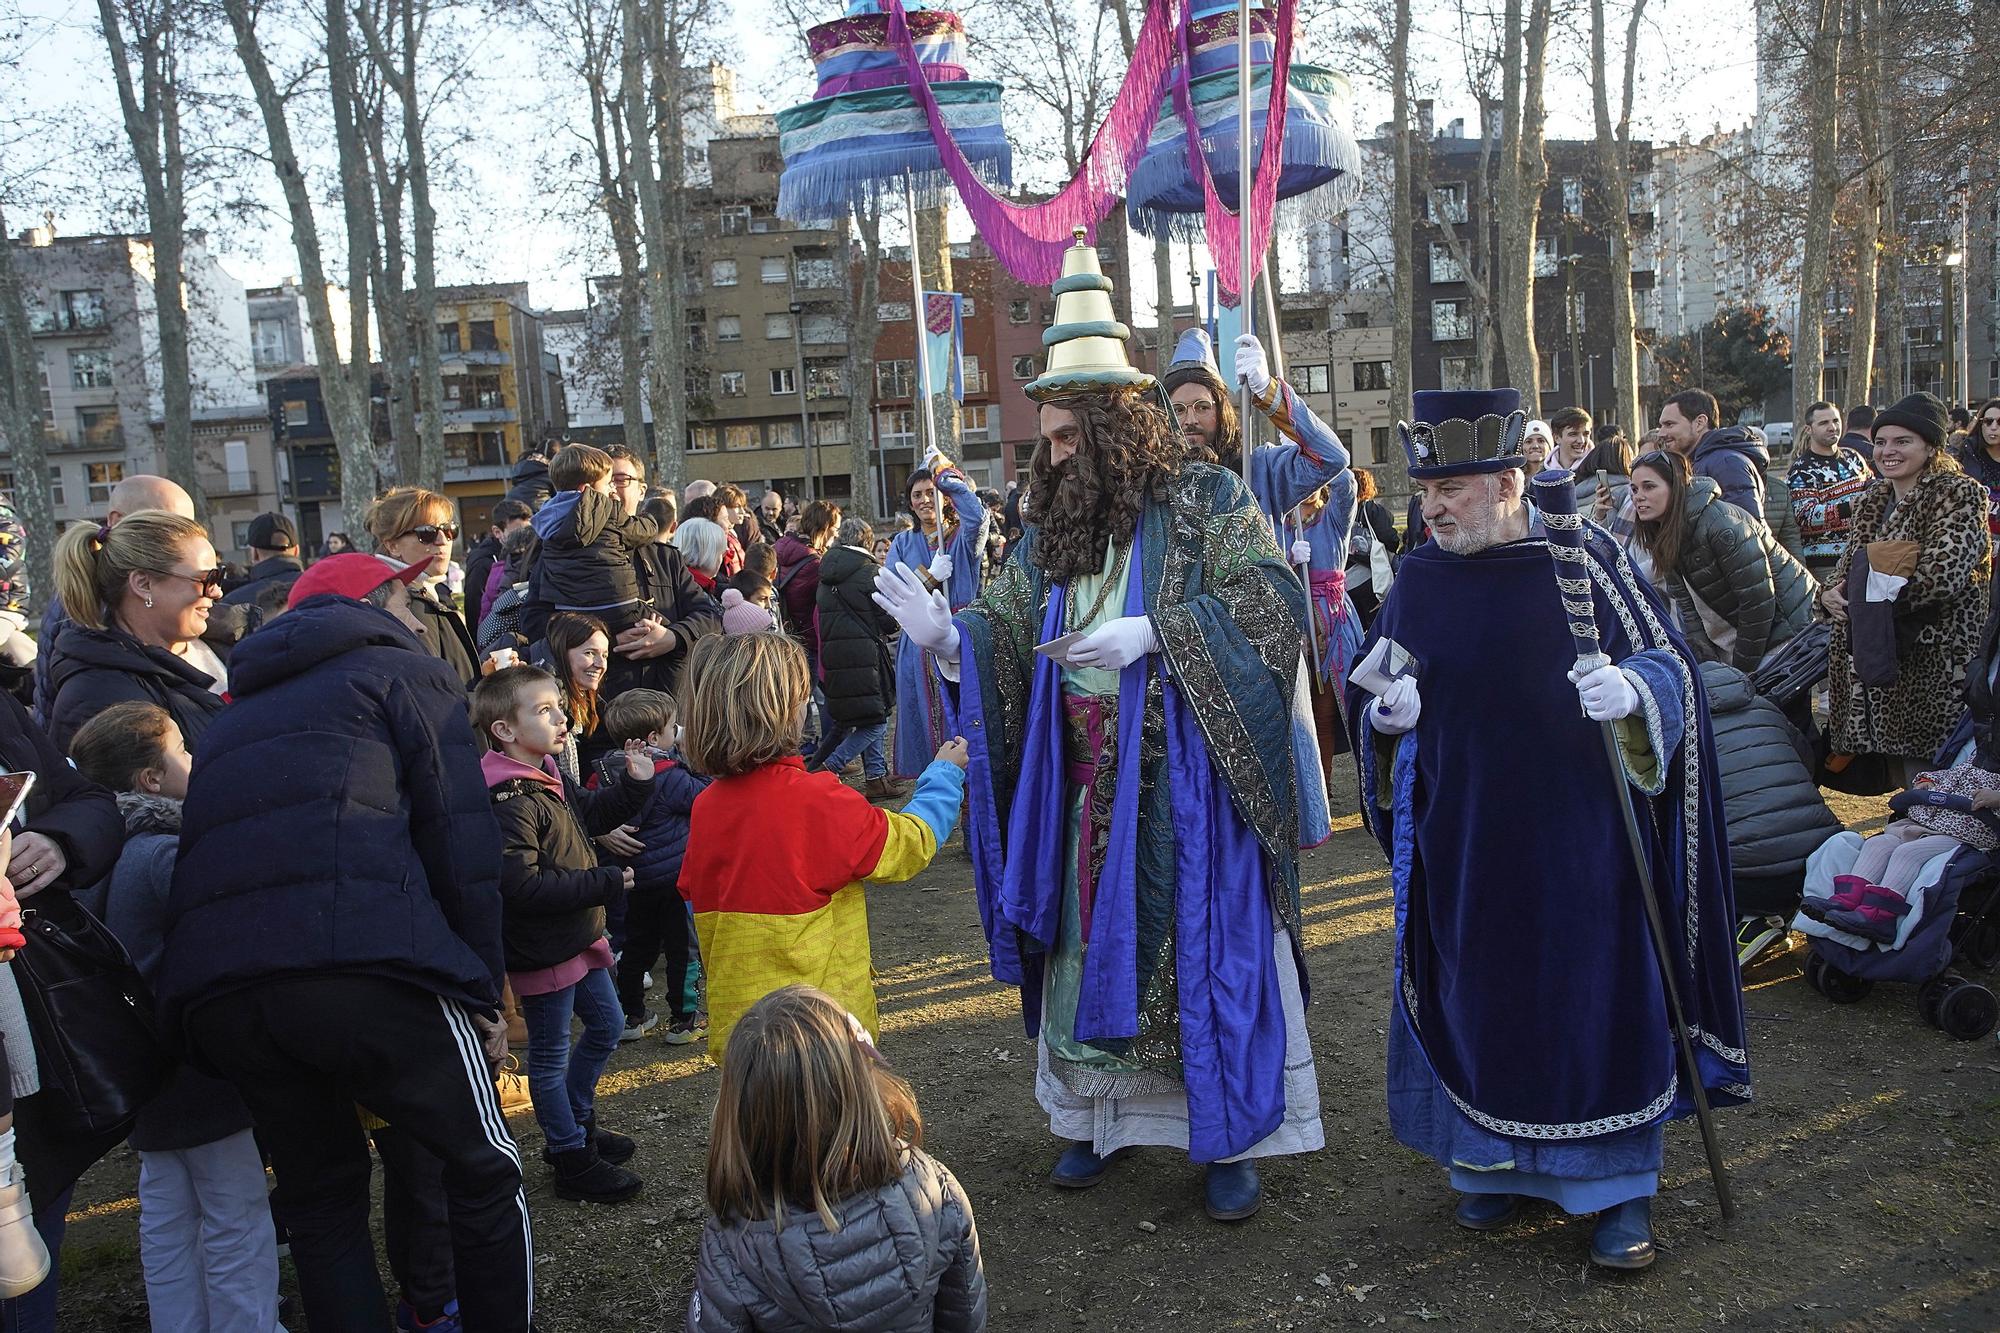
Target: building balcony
x=105 y=439
x=491 y=356
x=478 y=416
x=57 y=321
x=218 y=484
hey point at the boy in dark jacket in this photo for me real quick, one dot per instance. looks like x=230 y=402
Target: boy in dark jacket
x=333 y=935
x=589 y=543
x=554 y=893
x=656 y=916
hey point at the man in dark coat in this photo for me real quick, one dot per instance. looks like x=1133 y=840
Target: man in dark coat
x=1730 y=455
x=333 y=936
x=275 y=566
x=530 y=478
x=479 y=560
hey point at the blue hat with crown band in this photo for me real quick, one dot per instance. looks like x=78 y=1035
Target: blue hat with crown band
x=1458 y=432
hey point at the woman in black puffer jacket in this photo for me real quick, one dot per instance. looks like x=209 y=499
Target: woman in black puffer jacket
x=1775 y=814
x=1739 y=593
x=857 y=668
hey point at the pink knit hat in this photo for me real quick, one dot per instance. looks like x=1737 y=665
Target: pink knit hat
x=741 y=617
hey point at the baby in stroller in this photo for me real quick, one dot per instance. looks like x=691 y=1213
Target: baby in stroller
x=1872 y=899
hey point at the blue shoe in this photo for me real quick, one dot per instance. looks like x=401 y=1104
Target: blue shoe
x=1079 y=1167
x=1486 y=1212
x=407 y=1321
x=1624 y=1235
x=1233 y=1191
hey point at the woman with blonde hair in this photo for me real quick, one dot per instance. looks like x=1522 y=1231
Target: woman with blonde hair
x=138 y=595
x=827 y=1212
x=410 y=524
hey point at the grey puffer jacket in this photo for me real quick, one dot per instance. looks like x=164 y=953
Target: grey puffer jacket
x=906 y=1258
x=1733 y=564
x=1775 y=814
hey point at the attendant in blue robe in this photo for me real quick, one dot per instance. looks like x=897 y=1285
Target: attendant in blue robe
x=1530 y=1053
x=1132 y=817
x=945 y=544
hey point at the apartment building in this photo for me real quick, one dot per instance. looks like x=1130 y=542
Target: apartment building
x=502 y=390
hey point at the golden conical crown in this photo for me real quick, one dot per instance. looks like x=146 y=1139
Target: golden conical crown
x=1086 y=343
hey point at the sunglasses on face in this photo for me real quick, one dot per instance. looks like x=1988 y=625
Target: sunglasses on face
x=622 y=479
x=430 y=534
x=208 y=580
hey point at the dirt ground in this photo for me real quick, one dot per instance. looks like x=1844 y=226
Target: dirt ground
x=1867 y=1171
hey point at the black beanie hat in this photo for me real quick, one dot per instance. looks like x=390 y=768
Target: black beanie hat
x=1920 y=412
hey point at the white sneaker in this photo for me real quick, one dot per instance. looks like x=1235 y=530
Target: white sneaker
x=24 y=1260
x=634 y=1031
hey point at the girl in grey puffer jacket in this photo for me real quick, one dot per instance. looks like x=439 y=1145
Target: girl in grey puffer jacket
x=826 y=1214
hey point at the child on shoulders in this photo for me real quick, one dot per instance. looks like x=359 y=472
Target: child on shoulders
x=588 y=543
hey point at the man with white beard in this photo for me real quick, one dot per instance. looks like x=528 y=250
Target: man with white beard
x=1530 y=1052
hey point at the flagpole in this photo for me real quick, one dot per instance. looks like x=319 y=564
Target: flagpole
x=920 y=397
x=1244 y=287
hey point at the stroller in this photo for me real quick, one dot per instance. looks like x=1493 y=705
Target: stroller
x=1953 y=937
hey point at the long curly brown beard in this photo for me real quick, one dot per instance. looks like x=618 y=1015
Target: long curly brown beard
x=1130 y=452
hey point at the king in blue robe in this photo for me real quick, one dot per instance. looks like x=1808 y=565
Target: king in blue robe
x=1132 y=813
x=1530 y=1052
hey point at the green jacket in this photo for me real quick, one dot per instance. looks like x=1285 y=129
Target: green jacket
x=1739 y=571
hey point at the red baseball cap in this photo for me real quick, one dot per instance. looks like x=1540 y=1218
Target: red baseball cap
x=352 y=575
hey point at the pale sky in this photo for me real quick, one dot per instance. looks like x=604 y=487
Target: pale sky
x=496 y=219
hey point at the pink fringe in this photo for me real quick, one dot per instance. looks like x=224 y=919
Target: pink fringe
x=1029 y=239
x=1264 y=189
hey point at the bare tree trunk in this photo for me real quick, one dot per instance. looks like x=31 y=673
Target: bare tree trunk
x=1402 y=223
x=1867 y=237
x=421 y=309
x=1614 y=149
x=21 y=425
x=663 y=384
x=1822 y=58
x=347 y=413
x=614 y=181
x=357 y=195
x=151 y=111
x=863 y=327
x=1895 y=314
x=394 y=52
x=1523 y=173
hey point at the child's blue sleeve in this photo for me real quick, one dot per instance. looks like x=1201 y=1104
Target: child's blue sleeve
x=939 y=795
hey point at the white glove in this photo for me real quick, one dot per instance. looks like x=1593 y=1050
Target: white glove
x=1302 y=552
x=923 y=614
x=941 y=566
x=1116 y=644
x=1250 y=365
x=1398 y=709
x=935 y=461
x=1607 y=694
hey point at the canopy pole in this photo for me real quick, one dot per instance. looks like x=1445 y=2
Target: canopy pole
x=1244 y=279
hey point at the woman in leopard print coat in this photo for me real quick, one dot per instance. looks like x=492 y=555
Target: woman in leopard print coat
x=1924 y=497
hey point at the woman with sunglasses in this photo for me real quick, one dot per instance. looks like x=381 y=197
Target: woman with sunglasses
x=410 y=524
x=138 y=596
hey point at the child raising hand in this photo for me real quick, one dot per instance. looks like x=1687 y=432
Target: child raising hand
x=776 y=856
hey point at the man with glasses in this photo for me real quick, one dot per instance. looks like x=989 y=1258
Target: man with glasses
x=1282 y=476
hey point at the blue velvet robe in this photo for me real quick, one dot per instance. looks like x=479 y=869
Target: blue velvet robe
x=1201 y=862
x=916 y=743
x=1530 y=1050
